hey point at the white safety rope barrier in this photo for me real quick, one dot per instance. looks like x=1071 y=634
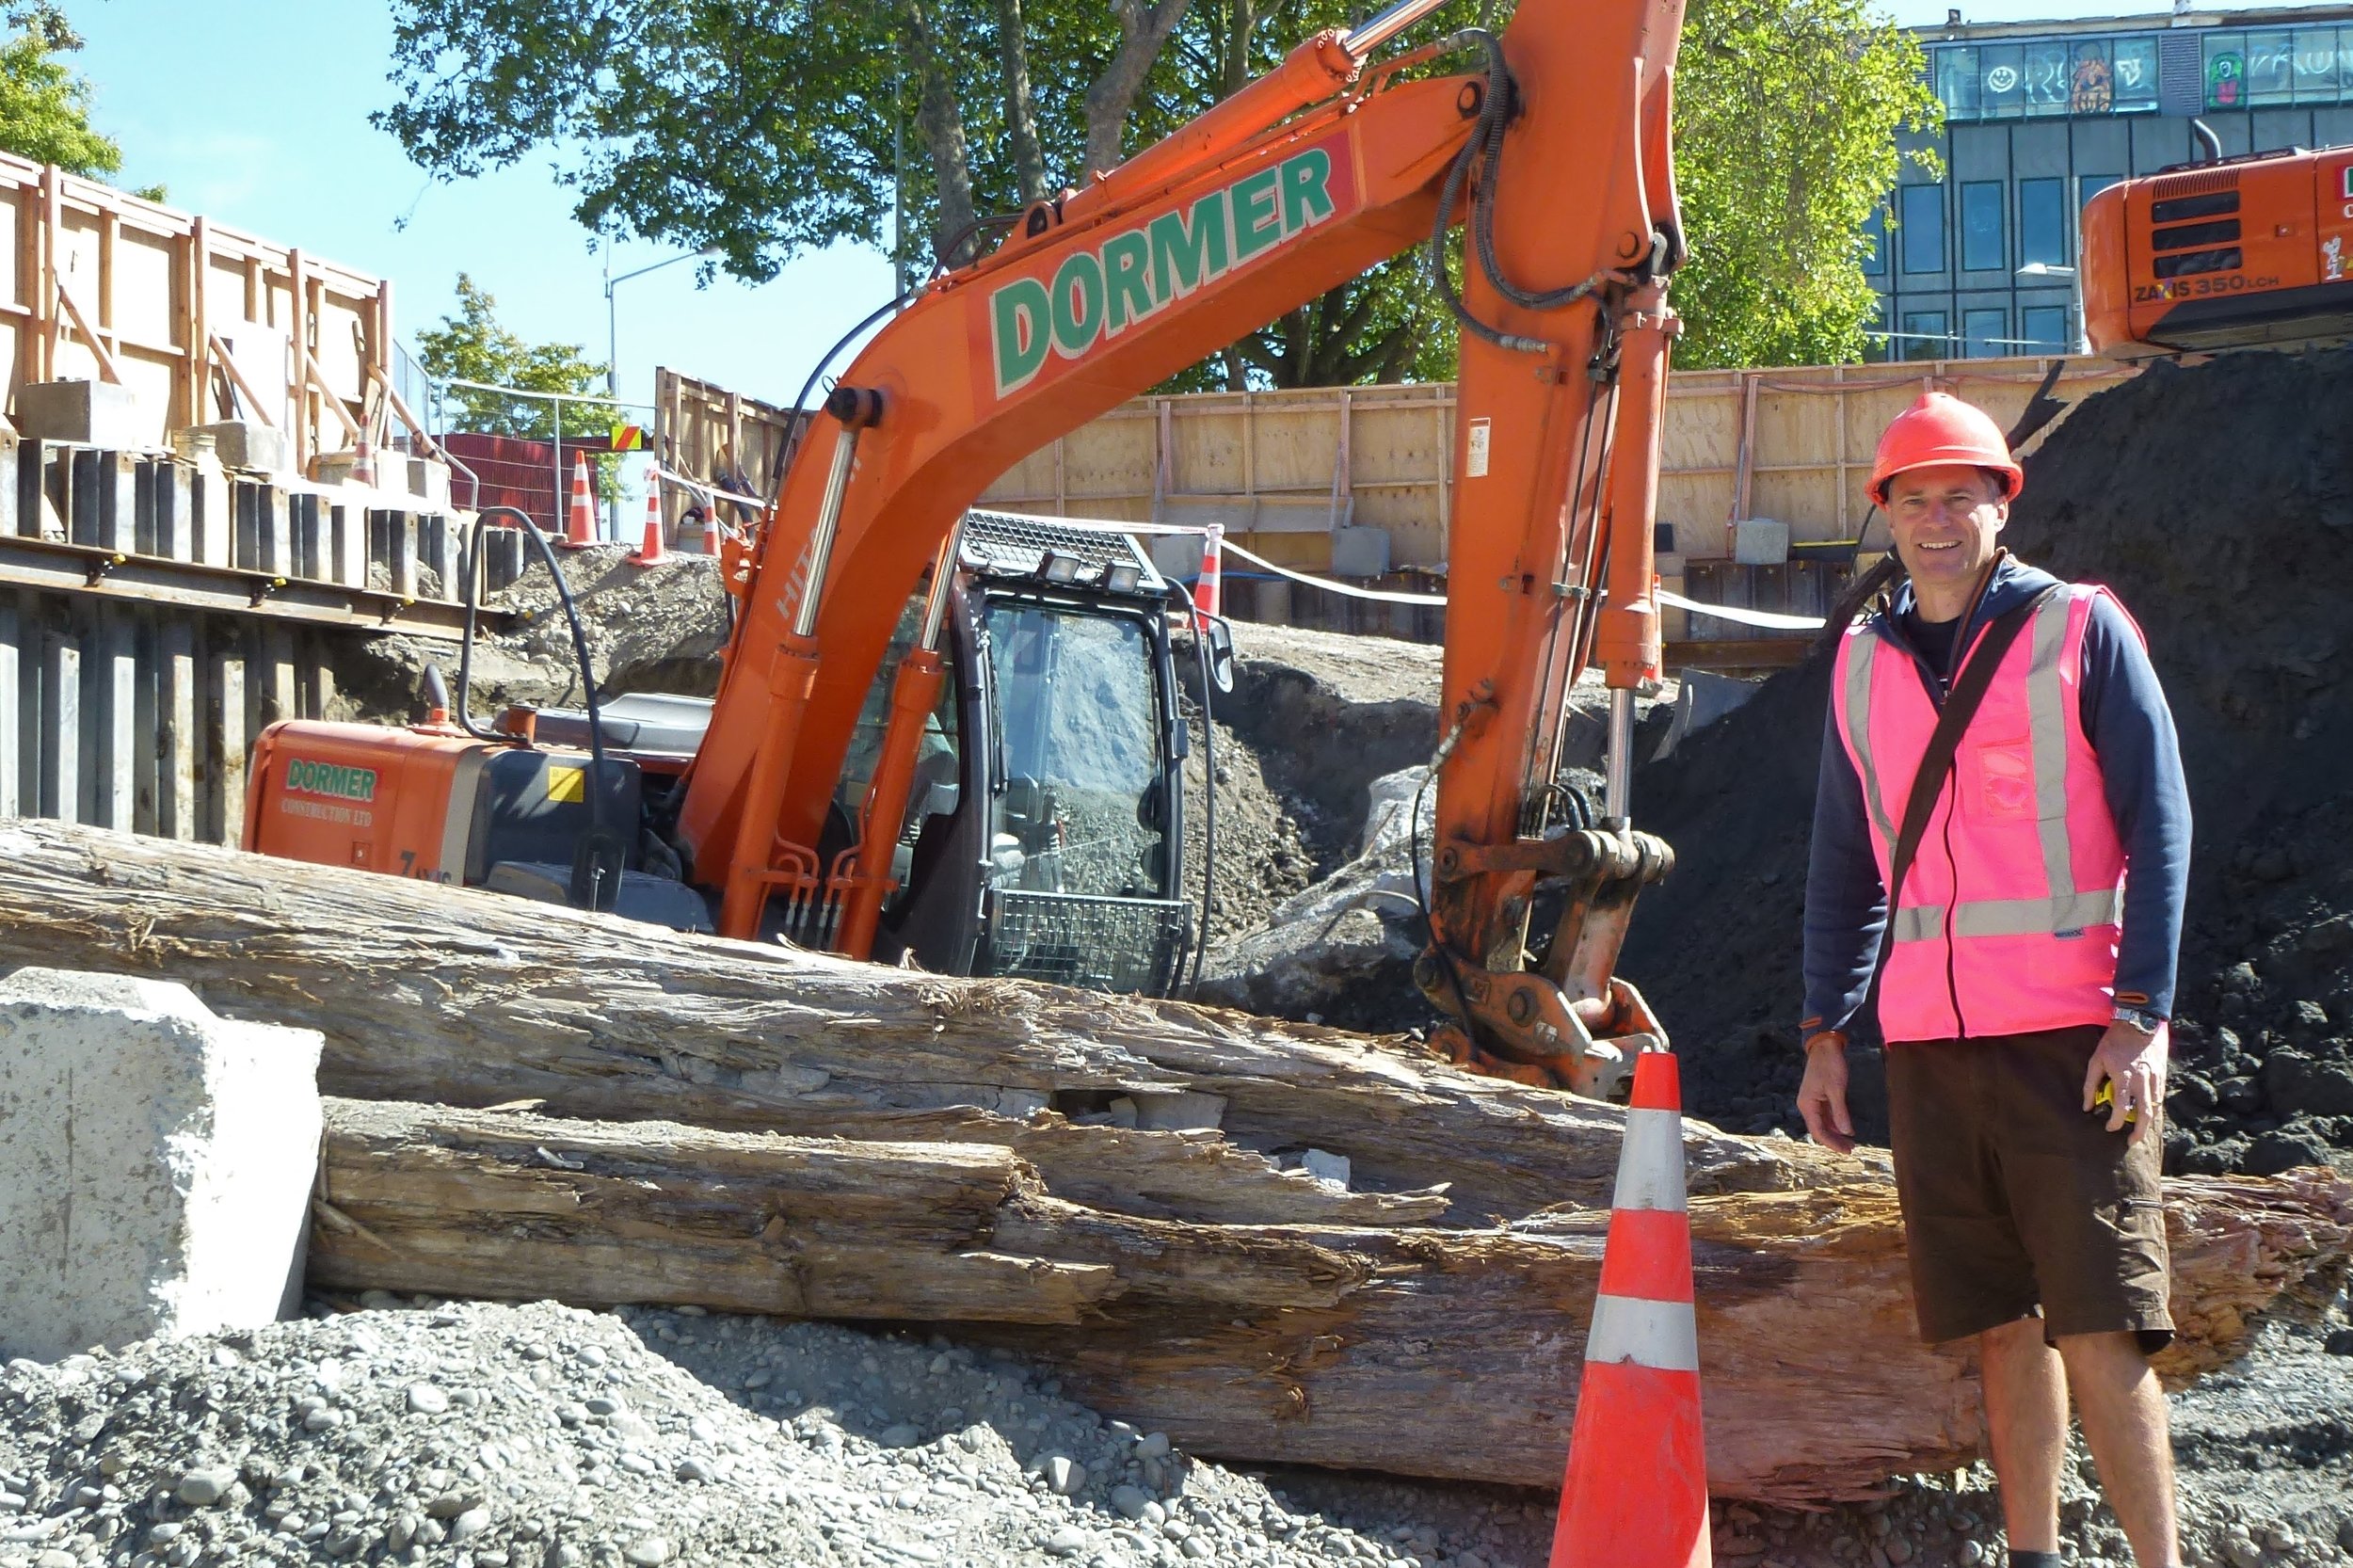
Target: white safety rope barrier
x=1771 y=619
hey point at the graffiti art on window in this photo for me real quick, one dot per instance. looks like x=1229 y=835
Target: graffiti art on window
x=2226 y=80
x=2093 y=90
x=2045 y=73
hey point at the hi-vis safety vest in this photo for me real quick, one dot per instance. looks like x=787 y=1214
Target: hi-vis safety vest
x=2008 y=922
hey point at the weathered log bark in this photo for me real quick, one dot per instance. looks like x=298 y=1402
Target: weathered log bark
x=1420 y=1351
x=466 y=998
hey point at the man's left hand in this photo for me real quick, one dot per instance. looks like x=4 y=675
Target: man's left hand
x=2134 y=1063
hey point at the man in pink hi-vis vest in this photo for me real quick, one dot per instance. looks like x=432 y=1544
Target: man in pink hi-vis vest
x=2028 y=970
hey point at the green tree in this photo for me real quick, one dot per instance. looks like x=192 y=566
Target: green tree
x=768 y=127
x=1786 y=119
x=44 y=108
x=470 y=345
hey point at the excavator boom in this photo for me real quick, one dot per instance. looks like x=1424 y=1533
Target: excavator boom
x=1551 y=146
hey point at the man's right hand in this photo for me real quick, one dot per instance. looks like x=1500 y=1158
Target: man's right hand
x=1822 y=1094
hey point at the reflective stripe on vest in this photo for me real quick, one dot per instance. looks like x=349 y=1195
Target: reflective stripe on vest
x=2066 y=910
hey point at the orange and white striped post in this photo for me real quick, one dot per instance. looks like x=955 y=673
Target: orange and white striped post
x=579 y=527
x=1209 y=588
x=1636 y=1494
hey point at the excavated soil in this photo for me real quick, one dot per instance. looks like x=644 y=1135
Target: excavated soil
x=650 y=628
x=2218 y=501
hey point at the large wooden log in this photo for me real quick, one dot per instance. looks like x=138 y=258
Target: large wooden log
x=467 y=997
x=1439 y=1329
x=1450 y=1352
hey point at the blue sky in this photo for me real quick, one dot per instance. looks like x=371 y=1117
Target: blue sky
x=256 y=115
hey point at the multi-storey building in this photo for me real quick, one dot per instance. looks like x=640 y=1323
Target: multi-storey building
x=1981 y=260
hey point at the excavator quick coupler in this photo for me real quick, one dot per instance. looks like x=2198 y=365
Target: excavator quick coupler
x=1566 y=1021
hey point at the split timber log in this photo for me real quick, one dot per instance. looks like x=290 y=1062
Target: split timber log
x=1418 y=1351
x=467 y=997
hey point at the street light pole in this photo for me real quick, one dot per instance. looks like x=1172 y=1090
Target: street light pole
x=612 y=347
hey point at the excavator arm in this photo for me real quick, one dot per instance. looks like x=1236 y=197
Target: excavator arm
x=1552 y=149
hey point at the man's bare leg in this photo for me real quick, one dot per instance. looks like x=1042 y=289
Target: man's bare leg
x=2125 y=1423
x=2025 y=1419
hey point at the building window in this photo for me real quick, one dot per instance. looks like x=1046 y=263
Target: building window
x=1875 y=243
x=2090 y=79
x=1984 y=333
x=1981 y=226
x=2042 y=223
x=2226 y=70
x=2090 y=185
x=1956 y=82
x=1923 y=228
x=1875 y=345
x=1923 y=335
x=2044 y=328
x=2271 y=67
x=2044 y=77
x=2135 y=66
x=2002 y=91
x=2316 y=56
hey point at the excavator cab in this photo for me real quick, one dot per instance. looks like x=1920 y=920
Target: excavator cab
x=1044 y=833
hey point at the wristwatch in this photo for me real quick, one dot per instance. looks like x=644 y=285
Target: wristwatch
x=2140 y=1019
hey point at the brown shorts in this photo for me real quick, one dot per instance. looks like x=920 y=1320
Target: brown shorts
x=2016 y=1199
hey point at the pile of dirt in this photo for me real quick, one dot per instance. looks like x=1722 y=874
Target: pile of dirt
x=650 y=628
x=1340 y=728
x=2221 y=512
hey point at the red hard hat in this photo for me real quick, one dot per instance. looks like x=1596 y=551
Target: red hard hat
x=1941 y=428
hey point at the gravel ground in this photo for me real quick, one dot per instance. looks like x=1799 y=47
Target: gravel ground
x=496 y=1435
x=481 y=1436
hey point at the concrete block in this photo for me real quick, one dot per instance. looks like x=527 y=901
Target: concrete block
x=1705 y=697
x=429 y=480
x=155 y=1163
x=98 y=413
x=1175 y=555
x=245 y=444
x=1360 y=552
x=1760 y=542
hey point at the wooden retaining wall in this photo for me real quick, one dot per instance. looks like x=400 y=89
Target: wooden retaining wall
x=155 y=615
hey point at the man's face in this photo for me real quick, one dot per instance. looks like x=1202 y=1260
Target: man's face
x=1945 y=520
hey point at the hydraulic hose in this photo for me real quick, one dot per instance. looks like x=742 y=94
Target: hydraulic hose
x=1483 y=154
x=586 y=869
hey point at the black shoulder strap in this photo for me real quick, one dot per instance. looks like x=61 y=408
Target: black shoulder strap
x=1936 y=764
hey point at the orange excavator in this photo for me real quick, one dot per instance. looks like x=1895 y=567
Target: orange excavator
x=2243 y=252
x=784 y=808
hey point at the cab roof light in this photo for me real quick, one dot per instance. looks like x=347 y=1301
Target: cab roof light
x=1123 y=577
x=1059 y=566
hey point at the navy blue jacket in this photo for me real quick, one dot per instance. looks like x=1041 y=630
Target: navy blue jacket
x=2127 y=722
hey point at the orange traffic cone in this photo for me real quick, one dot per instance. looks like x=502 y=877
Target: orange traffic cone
x=579 y=525
x=1207 y=590
x=1636 y=1495
x=651 y=553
